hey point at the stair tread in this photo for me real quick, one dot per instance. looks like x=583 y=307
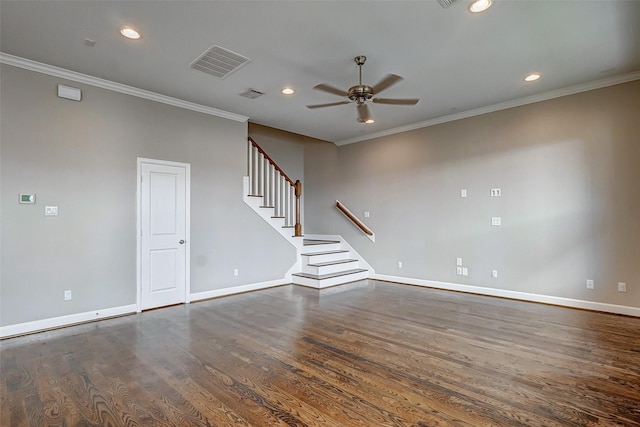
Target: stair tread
x=337 y=251
x=311 y=242
x=330 y=275
x=340 y=261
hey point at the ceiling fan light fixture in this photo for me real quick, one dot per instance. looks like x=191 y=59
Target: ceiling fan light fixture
x=288 y=91
x=130 y=33
x=369 y=121
x=480 y=6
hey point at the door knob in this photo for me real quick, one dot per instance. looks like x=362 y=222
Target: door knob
x=181 y=242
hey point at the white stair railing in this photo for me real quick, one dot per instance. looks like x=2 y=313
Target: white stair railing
x=278 y=191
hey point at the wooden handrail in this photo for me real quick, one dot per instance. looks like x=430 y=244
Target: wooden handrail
x=353 y=218
x=270 y=160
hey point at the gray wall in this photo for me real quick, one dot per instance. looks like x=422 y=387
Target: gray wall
x=569 y=171
x=81 y=156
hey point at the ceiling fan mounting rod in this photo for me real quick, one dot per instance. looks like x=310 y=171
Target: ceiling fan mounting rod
x=360 y=60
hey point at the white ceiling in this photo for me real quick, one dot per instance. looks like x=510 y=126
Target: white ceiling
x=451 y=59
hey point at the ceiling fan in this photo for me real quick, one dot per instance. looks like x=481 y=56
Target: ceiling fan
x=362 y=93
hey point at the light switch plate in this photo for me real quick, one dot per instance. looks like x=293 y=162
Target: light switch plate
x=458 y=261
x=463 y=193
x=496 y=192
x=465 y=271
x=51 y=211
x=496 y=220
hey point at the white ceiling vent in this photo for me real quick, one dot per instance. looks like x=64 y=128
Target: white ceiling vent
x=219 y=62
x=446 y=3
x=252 y=94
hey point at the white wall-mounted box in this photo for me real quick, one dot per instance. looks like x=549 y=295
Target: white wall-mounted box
x=68 y=92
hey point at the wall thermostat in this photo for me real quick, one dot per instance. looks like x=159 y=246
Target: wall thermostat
x=28 y=199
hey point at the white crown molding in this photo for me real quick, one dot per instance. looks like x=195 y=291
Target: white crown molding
x=570 y=90
x=62 y=73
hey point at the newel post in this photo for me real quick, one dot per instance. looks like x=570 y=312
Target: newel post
x=298 y=227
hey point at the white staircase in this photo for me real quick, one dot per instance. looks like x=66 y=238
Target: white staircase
x=327 y=262
x=323 y=261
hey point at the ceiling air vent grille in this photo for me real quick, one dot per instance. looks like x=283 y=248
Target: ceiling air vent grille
x=252 y=94
x=446 y=3
x=219 y=62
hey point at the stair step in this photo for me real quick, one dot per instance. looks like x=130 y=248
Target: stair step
x=324 y=264
x=330 y=275
x=329 y=266
x=311 y=242
x=327 y=280
x=338 y=251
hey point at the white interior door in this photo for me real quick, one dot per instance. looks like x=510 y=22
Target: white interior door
x=163 y=233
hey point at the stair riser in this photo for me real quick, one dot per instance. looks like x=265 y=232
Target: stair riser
x=316 y=259
x=328 y=269
x=325 y=283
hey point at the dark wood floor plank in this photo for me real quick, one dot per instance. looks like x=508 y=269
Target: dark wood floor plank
x=366 y=354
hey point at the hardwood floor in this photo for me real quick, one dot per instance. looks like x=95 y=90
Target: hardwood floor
x=365 y=354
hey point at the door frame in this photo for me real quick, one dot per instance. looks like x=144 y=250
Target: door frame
x=187 y=167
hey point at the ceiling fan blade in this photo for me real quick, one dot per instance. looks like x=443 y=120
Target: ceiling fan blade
x=396 y=101
x=328 y=88
x=386 y=82
x=330 y=104
x=363 y=113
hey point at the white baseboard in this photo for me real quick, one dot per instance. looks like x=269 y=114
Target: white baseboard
x=523 y=296
x=238 y=289
x=71 y=319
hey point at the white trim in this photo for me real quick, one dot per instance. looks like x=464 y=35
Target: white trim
x=62 y=73
x=571 y=90
x=199 y=296
x=523 y=296
x=187 y=167
x=68 y=320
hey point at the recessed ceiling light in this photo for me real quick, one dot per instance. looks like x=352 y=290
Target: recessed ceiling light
x=130 y=33
x=288 y=91
x=480 y=6
x=532 y=77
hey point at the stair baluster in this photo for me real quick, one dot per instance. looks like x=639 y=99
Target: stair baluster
x=267 y=180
